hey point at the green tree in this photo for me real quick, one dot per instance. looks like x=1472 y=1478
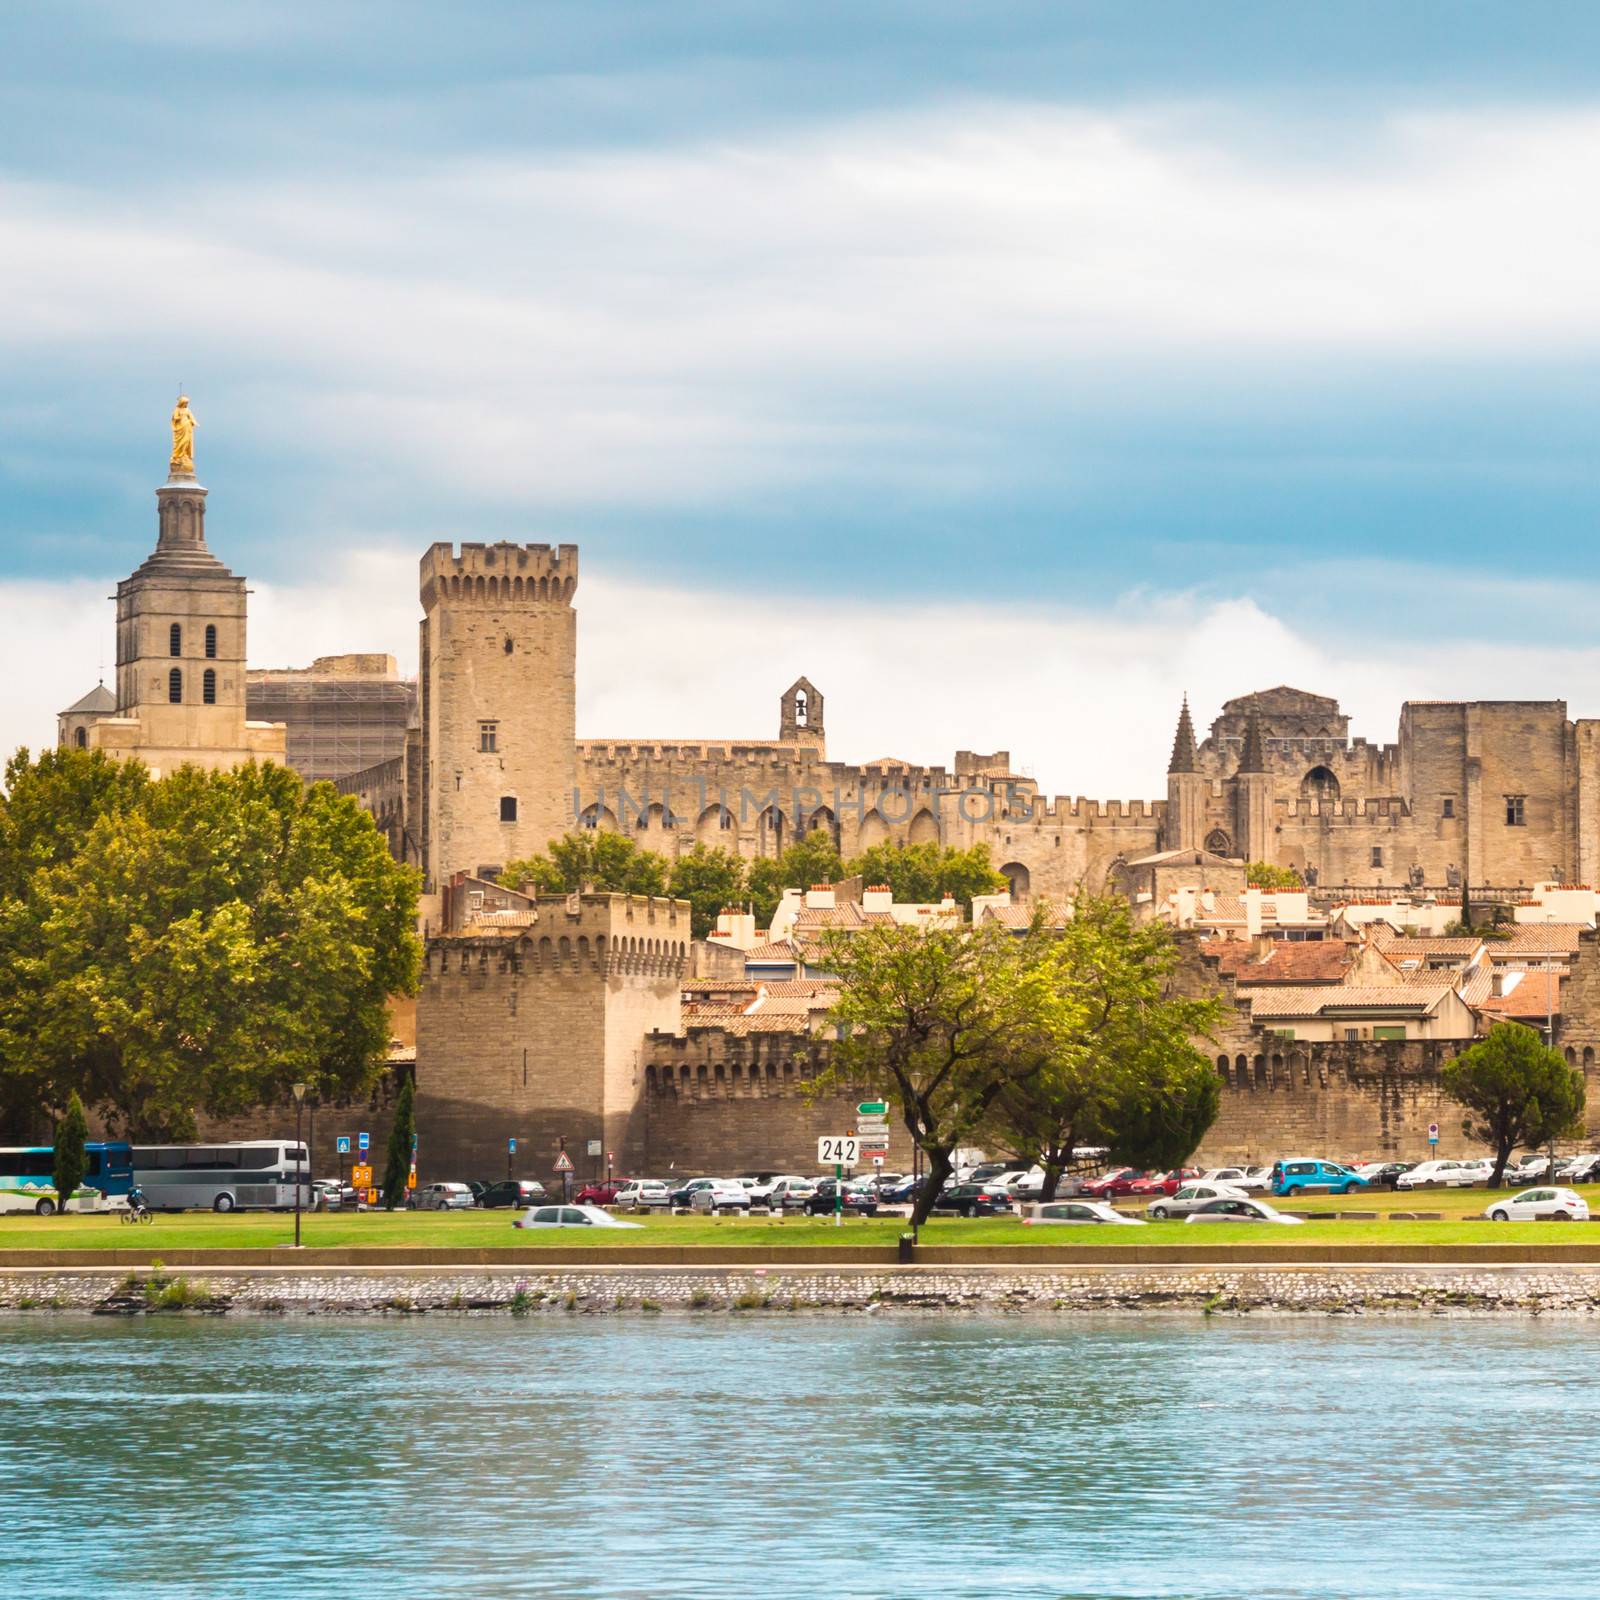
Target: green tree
x=1517 y=1092
x=1264 y=875
x=207 y=942
x=939 y=1021
x=924 y=873
x=402 y=1140
x=1117 y=1062
x=593 y=859
x=709 y=879
x=811 y=859
x=71 y=1158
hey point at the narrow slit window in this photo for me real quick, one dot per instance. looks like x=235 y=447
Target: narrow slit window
x=208 y=687
x=175 y=640
x=175 y=687
x=211 y=641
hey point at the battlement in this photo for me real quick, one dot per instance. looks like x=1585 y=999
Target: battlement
x=499 y=574
x=1392 y=809
x=1081 y=812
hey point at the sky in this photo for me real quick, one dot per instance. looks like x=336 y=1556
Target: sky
x=1009 y=370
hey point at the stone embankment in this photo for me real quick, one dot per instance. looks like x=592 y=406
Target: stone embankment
x=646 y=1291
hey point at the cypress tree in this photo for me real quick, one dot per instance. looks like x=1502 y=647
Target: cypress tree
x=401 y=1133
x=71 y=1159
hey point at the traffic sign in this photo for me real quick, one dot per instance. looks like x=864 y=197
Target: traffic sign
x=363 y=1143
x=595 y=1147
x=342 y=1144
x=838 y=1150
x=1433 y=1133
x=873 y=1108
x=511 y=1147
x=877 y=1161
x=563 y=1162
x=361 y=1177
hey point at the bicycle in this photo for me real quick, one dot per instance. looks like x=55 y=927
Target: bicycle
x=138 y=1214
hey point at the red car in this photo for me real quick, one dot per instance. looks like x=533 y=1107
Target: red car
x=1122 y=1180
x=602 y=1193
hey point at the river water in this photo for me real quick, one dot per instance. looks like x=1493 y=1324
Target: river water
x=788 y=1455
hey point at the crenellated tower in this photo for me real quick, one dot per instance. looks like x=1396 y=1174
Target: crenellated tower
x=496 y=679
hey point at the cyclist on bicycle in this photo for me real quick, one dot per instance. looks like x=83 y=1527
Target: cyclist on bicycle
x=137 y=1203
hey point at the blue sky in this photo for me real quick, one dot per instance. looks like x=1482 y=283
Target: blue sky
x=1069 y=312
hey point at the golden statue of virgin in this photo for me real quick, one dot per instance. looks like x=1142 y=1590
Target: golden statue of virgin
x=182 y=437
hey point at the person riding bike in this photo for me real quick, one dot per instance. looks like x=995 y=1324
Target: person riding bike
x=137 y=1203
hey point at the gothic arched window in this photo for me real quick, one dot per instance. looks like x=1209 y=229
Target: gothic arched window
x=175 y=687
x=208 y=687
x=211 y=639
x=174 y=640
x=81 y=738
x=800 y=708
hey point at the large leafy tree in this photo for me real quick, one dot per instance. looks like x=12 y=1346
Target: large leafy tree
x=212 y=938
x=592 y=859
x=922 y=873
x=938 y=1020
x=1117 y=1063
x=1517 y=1091
x=811 y=859
x=709 y=879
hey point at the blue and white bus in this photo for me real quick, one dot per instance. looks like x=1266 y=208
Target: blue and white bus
x=252 y=1174
x=27 y=1177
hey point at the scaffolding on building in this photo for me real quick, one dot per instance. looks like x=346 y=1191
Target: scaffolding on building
x=337 y=722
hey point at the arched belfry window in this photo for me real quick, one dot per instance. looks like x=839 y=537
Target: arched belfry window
x=801 y=709
x=175 y=687
x=81 y=738
x=174 y=640
x=211 y=640
x=208 y=687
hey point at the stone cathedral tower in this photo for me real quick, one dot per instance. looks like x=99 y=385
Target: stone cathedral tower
x=180 y=695
x=497 y=680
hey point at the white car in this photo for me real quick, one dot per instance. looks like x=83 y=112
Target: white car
x=1080 y=1212
x=1532 y=1204
x=790 y=1193
x=1249 y=1179
x=1439 y=1174
x=1240 y=1208
x=1190 y=1198
x=445 y=1197
x=720 y=1194
x=643 y=1192
x=570 y=1217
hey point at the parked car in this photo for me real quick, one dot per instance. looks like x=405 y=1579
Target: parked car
x=1164 y=1182
x=1530 y=1169
x=334 y=1194
x=1581 y=1169
x=720 y=1194
x=602 y=1192
x=479 y=1187
x=974 y=1200
x=1533 y=1205
x=644 y=1192
x=1244 y=1178
x=1120 y=1180
x=986 y=1170
x=443 y=1197
x=1383 y=1174
x=512 y=1192
x=1439 y=1174
x=1289 y=1177
x=1190 y=1198
x=791 y=1194
x=683 y=1193
x=860 y=1198
x=1081 y=1212
x=1239 y=1208
x=571 y=1217
x=905 y=1191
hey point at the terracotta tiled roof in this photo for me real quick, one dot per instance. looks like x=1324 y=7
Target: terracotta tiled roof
x=1398 y=949
x=1287 y=1001
x=1019 y=918
x=847 y=915
x=1478 y=985
x=766 y=1022
x=1537 y=994
x=773 y=953
x=1309 y=961
x=1539 y=938
x=800 y=989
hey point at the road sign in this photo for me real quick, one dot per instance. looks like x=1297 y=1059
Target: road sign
x=372 y=1197
x=342 y=1144
x=1433 y=1133
x=838 y=1150
x=363 y=1143
x=873 y=1108
x=877 y=1161
x=563 y=1162
x=361 y=1177
x=411 y=1179
x=511 y=1147
x=595 y=1147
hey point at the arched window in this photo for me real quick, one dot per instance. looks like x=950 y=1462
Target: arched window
x=211 y=640
x=801 y=709
x=1319 y=784
x=174 y=640
x=81 y=738
x=208 y=687
x=175 y=687
x=1218 y=843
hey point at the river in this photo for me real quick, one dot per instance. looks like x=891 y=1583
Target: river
x=779 y=1455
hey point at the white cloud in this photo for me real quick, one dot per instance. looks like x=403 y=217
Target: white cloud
x=683 y=323
x=1084 y=700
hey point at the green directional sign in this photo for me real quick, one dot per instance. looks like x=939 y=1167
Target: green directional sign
x=872 y=1108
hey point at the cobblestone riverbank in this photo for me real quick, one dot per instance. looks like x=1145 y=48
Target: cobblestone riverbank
x=648 y=1291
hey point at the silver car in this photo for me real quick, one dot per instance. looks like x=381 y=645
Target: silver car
x=445 y=1197
x=1239 y=1208
x=1190 y=1198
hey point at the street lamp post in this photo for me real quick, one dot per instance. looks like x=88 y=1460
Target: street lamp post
x=299 y=1159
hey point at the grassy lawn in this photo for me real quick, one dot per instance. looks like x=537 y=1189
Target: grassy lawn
x=200 y=1230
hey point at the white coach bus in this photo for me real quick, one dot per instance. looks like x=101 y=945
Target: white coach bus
x=252 y=1174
